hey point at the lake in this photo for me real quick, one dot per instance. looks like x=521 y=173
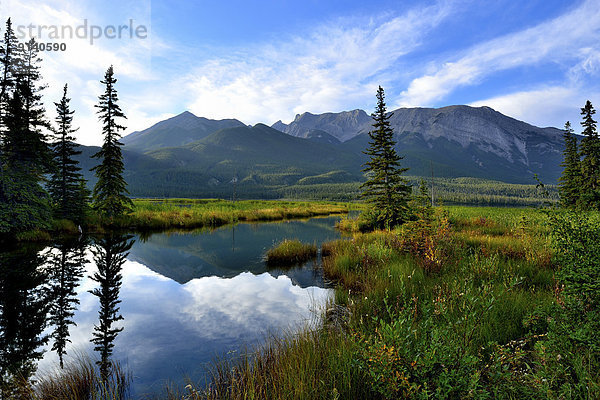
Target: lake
x=164 y=305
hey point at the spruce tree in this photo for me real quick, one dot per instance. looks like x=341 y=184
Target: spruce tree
x=570 y=180
x=590 y=162
x=110 y=193
x=69 y=197
x=26 y=156
x=385 y=188
x=11 y=62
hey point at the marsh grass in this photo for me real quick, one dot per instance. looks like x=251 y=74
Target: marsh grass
x=150 y=215
x=434 y=308
x=312 y=364
x=290 y=252
x=183 y=213
x=80 y=380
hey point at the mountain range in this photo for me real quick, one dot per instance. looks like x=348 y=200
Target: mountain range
x=188 y=155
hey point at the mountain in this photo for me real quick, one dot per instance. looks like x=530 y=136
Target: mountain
x=455 y=141
x=343 y=125
x=466 y=141
x=188 y=156
x=176 y=131
x=319 y=136
x=259 y=153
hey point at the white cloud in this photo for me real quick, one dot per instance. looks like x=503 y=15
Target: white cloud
x=547 y=106
x=572 y=35
x=326 y=70
x=82 y=65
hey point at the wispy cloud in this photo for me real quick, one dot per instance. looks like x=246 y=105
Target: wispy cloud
x=548 y=106
x=332 y=66
x=82 y=64
x=572 y=36
x=337 y=64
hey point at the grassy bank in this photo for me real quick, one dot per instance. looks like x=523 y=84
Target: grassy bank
x=447 y=308
x=471 y=303
x=150 y=214
x=80 y=379
x=165 y=214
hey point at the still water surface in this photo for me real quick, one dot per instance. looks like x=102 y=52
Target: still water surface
x=163 y=305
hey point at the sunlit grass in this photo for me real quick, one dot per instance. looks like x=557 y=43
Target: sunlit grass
x=290 y=252
x=181 y=213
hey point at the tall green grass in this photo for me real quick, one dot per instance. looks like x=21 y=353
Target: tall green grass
x=306 y=365
x=434 y=309
x=79 y=380
x=290 y=252
x=439 y=308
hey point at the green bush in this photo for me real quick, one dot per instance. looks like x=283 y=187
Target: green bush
x=569 y=357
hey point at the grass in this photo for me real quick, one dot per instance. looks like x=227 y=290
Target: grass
x=80 y=379
x=431 y=310
x=177 y=214
x=151 y=214
x=438 y=308
x=290 y=252
x=310 y=365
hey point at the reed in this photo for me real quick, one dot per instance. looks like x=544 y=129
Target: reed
x=80 y=379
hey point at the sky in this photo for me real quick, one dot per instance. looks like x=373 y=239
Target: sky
x=263 y=61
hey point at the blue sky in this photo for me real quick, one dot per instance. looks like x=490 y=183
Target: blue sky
x=261 y=61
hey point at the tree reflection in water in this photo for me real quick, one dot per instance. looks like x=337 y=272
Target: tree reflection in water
x=65 y=270
x=24 y=305
x=109 y=253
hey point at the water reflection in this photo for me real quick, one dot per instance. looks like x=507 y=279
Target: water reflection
x=24 y=305
x=164 y=306
x=110 y=253
x=65 y=269
x=228 y=250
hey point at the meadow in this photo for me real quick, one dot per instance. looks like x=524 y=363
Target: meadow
x=462 y=302
x=191 y=213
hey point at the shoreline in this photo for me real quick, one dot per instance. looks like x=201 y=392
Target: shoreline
x=156 y=215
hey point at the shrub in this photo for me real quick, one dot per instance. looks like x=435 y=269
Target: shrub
x=569 y=358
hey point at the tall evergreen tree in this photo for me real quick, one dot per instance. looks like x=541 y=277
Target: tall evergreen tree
x=570 y=180
x=385 y=188
x=26 y=156
x=11 y=62
x=24 y=204
x=590 y=162
x=110 y=193
x=69 y=197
